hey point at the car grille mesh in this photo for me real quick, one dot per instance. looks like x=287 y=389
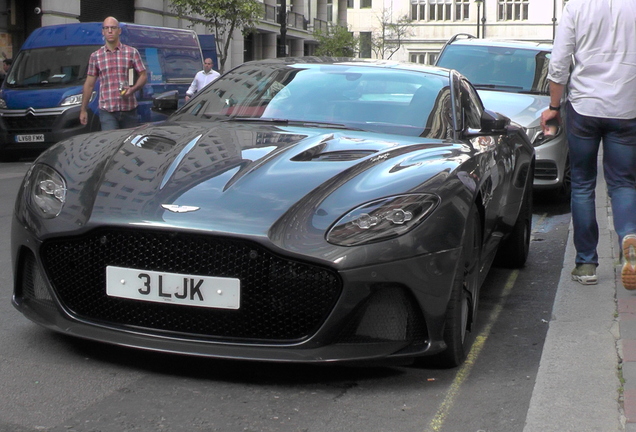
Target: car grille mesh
x=281 y=300
x=30 y=123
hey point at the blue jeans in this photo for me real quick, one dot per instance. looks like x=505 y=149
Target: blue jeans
x=118 y=119
x=619 y=166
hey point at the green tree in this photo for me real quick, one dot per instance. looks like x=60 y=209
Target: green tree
x=388 y=39
x=336 y=41
x=222 y=17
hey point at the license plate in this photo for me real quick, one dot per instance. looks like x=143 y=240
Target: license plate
x=174 y=288
x=30 y=138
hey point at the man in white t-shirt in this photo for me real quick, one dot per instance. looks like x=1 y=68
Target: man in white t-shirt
x=202 y=78
x=594 y=55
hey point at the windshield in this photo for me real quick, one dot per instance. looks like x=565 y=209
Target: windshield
x=53 y=66
x=368 y=98
x=499 y=68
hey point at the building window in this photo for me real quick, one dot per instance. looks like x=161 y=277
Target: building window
x=440 y=10
x=349 y=4
x=365 y=4
x=330 y=10
x=418 y=11
x=365 y=44
x=427 y=58
x=462 y=9
x=513 y=10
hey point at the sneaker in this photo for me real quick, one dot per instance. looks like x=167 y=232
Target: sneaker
x=585 y=274
x=628 y=274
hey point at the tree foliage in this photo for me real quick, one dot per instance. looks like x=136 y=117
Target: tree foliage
x=222 y=17
x=336 y=41
x=388 y=39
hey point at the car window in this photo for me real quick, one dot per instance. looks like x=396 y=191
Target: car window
x=500 y=68
x=369 y=98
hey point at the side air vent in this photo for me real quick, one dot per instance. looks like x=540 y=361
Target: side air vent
x=153 y=142
x=334 y=156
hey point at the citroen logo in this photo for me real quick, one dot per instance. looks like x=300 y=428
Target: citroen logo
x=179 y=208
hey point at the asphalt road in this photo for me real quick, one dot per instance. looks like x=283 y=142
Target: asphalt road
x=54 y=383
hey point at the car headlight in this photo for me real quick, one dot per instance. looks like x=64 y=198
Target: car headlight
x=47 y=191
x=3 y=103
x=538 y=138
x=75 y=99
x=382 y=219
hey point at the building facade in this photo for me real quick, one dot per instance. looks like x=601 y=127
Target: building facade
x=430 y=23
x=18 y=18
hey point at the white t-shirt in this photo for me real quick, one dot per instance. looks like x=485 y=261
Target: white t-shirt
x=597 y=37
x=201 y=79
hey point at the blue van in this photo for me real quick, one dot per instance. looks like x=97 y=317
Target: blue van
x=40 y=97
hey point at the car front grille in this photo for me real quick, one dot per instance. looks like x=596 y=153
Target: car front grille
x=282 y=300
x=30 y=123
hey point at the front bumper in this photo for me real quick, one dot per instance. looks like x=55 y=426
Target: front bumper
x=389 y=310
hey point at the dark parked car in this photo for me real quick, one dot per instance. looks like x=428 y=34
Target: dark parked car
x=511 y=78
x=296 y=210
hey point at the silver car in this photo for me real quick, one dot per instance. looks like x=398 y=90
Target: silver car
x=511 y=78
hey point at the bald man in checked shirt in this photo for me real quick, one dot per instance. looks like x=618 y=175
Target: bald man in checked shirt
x=111 y=63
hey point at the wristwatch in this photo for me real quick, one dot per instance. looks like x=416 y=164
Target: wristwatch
x=556 y=108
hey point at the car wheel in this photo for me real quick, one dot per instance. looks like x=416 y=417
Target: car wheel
x=513 y=250
x=462 y=303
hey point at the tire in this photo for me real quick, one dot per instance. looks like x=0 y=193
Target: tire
x=513 y=250
x=464 y=296
x=8 y=157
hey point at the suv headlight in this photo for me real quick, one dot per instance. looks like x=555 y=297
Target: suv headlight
x=3 y=104
x=538 y=138
x=382 y=219
x=47 y=191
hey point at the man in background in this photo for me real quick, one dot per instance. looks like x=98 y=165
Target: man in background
x=202 y=78
x=111 y=64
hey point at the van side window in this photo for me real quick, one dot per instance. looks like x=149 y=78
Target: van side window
x=171 y=65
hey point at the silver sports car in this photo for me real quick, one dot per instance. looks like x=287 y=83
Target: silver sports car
x=295 y=210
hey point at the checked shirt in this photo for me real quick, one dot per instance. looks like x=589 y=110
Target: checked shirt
x=111 y=67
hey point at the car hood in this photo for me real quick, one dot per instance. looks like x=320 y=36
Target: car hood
x=239 y=178
x=524 y=109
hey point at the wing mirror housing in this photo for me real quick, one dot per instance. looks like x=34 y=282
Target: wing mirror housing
x=493 y=122
x=166 y=102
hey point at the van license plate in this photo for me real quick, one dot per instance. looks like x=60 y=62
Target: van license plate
x=181 y=289
x=30 y=138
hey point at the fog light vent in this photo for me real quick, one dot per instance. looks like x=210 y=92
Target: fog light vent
x=390 y=314
x=34 y=287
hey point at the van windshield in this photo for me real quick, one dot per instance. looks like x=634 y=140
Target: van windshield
x=50 y=67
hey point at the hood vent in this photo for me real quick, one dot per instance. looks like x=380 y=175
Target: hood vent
x=155 y=143
x=333 y=156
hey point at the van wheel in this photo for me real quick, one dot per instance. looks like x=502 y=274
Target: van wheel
x=8 y=157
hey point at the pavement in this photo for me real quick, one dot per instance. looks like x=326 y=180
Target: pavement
x=587 y=374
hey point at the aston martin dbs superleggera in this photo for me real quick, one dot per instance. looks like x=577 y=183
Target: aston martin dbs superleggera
x=295 y=210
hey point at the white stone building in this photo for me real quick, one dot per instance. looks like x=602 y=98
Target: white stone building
x=433 y=22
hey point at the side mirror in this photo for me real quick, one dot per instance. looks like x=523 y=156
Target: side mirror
x=167 y=102
x=492 y=121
